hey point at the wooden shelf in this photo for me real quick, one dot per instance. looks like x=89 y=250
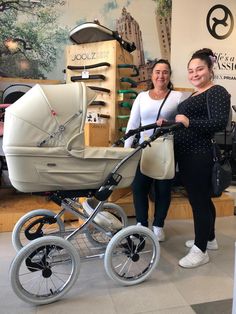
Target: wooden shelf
x=180 y=207
x=14 y=80
x=14 y=205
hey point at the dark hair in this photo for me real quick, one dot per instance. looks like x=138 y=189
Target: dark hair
x=205 y=54
x=170 y=85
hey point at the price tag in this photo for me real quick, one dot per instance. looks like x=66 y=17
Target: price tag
x=120 y=97
x=85 y=74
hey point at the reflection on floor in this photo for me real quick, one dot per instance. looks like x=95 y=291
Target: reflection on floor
x=170 y=290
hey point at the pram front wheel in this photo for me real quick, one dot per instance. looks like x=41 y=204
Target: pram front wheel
x=36 y=224
x=44 y=270
x=111 y=219
x=132 y=255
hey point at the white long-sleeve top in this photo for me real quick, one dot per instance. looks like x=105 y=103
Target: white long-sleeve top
x=144 y=111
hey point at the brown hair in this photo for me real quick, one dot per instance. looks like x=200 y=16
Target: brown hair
x=170 y=85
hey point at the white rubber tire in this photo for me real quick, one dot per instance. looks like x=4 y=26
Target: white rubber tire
x=122 y=235
x=25 y=252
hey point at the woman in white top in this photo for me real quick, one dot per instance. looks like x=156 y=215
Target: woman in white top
x=144 y=111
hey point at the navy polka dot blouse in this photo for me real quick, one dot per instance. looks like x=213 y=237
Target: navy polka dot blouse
x=196 y=139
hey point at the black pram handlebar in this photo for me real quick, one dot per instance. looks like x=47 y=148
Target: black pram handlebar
x=114 y=177
x=167 y=127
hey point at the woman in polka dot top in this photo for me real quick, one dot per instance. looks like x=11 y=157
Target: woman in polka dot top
x=193 y=151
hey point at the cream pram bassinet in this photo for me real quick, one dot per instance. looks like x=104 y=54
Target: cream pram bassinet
x=44 y=142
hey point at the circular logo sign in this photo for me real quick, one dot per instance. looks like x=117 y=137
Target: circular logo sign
x=220 y=21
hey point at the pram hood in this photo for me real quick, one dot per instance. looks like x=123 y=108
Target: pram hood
x=48 y=116
x=44 y=142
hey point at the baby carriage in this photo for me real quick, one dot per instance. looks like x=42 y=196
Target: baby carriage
x=45 y=152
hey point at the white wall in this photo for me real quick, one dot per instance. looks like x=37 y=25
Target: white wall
x=190 y=33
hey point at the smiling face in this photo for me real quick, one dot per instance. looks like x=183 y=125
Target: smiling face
x=161 y=76
x=199 y=74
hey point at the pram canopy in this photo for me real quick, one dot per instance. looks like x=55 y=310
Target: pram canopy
x=44 y=142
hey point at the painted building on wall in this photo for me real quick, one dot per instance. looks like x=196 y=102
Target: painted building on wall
x=164 y=32
x=129 y=29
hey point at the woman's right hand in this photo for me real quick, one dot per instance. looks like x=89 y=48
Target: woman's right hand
x=160 y=121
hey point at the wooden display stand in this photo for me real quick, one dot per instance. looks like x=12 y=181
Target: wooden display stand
x=111 y=53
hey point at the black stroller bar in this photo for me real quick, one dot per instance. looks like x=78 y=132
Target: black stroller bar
x=114 y=177
x=100 y=89
x=91 y=77
x=90 y=66
x=167 y=127
x=98 y=103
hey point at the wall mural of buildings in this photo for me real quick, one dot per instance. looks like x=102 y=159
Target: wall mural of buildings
x=34 y=33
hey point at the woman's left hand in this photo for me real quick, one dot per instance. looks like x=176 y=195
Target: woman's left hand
x=183 y=119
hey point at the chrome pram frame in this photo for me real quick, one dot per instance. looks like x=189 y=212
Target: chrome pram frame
x=130 y=253
x=47 y=262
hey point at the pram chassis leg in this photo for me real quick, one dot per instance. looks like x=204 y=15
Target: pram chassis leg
x=86 y=222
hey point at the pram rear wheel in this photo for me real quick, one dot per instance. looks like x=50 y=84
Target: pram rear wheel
x=132 y=255
x=112 y=218
x=36 y=224
x=44 y=270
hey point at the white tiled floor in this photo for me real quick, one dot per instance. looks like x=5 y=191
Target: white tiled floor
x=170 y=290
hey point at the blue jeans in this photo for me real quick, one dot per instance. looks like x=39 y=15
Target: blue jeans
x=141 y=187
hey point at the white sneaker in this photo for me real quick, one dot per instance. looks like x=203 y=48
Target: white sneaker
x=211 y=245
x=194 y=258
x=159 y=232
x=138 y=224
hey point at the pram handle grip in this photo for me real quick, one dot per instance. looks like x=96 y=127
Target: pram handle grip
x=167 y=127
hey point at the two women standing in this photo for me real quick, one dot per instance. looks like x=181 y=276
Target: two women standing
x=193 y=148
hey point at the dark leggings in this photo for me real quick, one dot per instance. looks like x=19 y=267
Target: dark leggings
x=141 y=186
x=195 y=171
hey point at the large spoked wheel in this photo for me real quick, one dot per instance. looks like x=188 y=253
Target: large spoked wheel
x=34 y=225
x=111 y=219
x=44 y=270
x=132 y=255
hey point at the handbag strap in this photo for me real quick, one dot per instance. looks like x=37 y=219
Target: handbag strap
x=213 y=141
x=209 y=116
x=162 y=104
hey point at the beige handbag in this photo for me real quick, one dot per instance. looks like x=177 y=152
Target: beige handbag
x=158 y=161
